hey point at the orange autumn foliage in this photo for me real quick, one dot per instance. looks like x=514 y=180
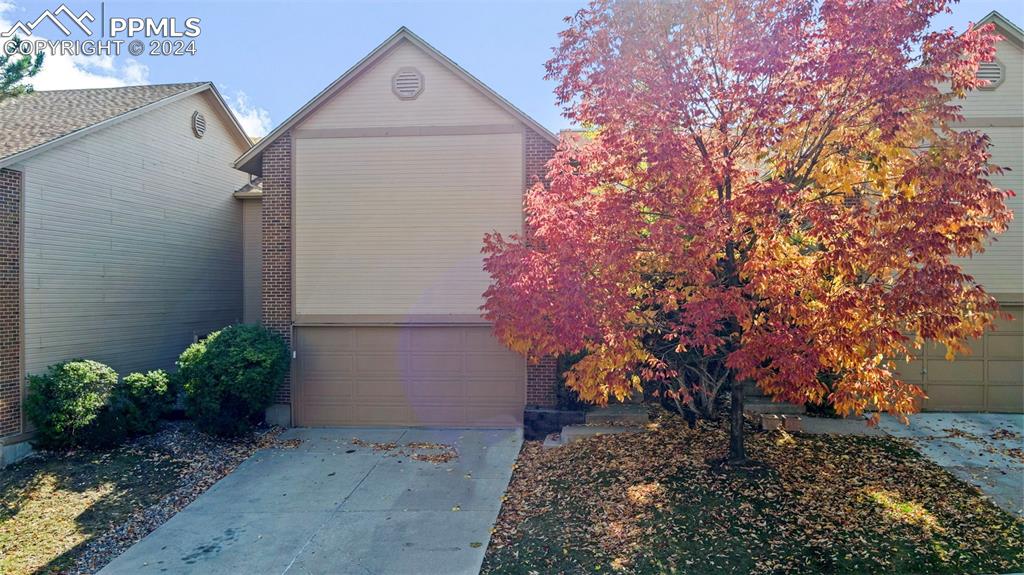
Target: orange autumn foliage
x=767 y=191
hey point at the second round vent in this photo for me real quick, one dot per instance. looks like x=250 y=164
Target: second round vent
x=991 y=71
x=407 y=83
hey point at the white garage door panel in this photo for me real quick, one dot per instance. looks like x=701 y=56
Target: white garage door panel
x=406 y=376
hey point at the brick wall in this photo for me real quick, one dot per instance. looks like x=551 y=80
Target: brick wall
x=277 y=244
x=10 y=302
x=541 y=378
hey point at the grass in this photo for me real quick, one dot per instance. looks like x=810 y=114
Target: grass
x=50 y=507
x=658 y=502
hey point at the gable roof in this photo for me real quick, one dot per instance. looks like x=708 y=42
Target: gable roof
x=1010 y=31
x=250 y=161
x=34 y=122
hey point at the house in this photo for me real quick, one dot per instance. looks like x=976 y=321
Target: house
x=991 y=378
x=119 y=240
x=372 y=204
x=363 y=235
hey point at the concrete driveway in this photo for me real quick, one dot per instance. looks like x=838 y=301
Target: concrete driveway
x=985 y=449
x=332 y=506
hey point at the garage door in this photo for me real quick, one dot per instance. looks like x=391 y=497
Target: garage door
x=990 y=379
x=454 y=376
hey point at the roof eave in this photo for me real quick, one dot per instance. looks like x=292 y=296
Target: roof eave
x=1013 y=33
x=69 y=137
x=250 y=160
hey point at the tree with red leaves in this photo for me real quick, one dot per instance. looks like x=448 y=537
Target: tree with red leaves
x=767 y=191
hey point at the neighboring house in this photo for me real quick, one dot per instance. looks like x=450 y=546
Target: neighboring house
x=373 y=202
x=119 y=240
x=992 y=377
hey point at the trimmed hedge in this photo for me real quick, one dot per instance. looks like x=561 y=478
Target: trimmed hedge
x=82 y=403
x=230 y=378
x=146 y=399
x=66 y=400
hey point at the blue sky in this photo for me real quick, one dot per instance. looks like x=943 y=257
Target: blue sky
x=269 y=58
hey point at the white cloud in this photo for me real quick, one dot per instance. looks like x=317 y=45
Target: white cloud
x=73 y=72
x=255 y=120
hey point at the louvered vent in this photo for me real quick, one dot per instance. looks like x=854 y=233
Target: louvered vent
x=407 y=83
x=198 y=124
x=991 y=71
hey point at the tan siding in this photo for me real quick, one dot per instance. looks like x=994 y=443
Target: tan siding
x=1000 y=113
x=132 y=241
x=446 y=99
x=1001 y=267
x=252 y=265
x=1006 y=100
x=394 y=225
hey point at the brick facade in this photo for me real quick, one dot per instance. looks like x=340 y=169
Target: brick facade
x=10 y=302
x=542 y=377
x=277 y=244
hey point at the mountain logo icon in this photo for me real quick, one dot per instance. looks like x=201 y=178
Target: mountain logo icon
x=26 y=28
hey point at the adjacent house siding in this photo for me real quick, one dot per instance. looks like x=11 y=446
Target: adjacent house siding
x=10 y=303
x=1007 y=99
x=1001 y=267
x=132 y=240
x=252 y=264
x=446 y=100
x=999 y=113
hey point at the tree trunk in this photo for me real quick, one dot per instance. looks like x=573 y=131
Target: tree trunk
x=737 y=452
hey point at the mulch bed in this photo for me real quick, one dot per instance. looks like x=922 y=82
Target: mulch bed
x=660 y=502
x=74 y=512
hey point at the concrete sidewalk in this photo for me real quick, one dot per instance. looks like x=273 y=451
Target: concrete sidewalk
x=331 y=506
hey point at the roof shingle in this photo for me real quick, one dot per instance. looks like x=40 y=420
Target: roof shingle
x=33 y=119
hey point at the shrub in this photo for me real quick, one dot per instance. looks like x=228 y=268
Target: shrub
x=144 y=397
x=110 y=427
x=230 y=378
x=65 y=400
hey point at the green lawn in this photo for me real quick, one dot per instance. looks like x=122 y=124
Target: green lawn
x=51 y=507
x=657 y=503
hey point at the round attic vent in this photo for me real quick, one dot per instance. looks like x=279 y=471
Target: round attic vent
x=407 y=83
x=991 y=71
x=198 y=124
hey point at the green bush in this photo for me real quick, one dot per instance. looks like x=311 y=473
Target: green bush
x=144 y=399
x=133 y=408
x=65 y=400
x=110 y=427
x=230 y=377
